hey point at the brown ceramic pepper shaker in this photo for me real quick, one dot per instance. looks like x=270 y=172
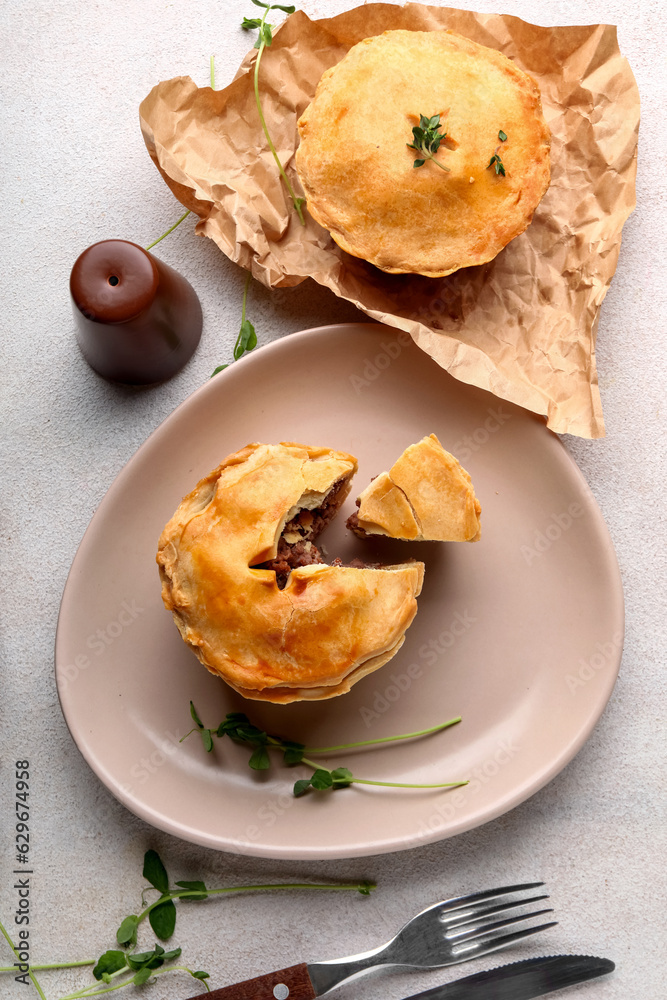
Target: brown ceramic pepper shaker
x=137 y=319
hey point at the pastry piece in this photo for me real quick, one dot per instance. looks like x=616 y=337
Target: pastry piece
x=250 y=592
x=426 y=496
x=357 y=171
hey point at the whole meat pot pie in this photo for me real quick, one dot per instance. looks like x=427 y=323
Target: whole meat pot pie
x=250 y=591
x=469 y=188
x=427 y=495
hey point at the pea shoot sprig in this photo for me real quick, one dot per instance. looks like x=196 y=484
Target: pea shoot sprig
x=264 y=40
x=238 y=728
x=247 y=338
x=495 y=160
x=117 y=968
x=137 y=969
x=426 y=139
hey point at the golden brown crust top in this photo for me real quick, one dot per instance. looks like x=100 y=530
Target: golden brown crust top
x=357 y=170
x=318 y=635
x=426 y=496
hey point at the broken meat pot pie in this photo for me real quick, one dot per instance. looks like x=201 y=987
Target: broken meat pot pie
x=248 y=589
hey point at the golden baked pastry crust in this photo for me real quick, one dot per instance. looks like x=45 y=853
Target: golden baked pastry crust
x=357 y=170
x=325 y=630
x=385 y=509
x=426 y=496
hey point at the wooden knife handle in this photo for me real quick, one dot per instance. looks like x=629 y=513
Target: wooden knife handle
x=287 y=984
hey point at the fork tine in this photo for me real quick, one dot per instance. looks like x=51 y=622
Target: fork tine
x=456 y=919
x=480 y=929
x=477 y=897
x=475 y=949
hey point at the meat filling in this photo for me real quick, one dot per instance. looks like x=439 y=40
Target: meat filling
x=308 y=524
x=353 y=523
x=295 y=546
x=291 y=556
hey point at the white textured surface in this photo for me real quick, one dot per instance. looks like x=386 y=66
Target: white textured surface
x=74 y=170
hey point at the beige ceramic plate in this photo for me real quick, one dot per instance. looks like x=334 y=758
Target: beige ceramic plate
x=520 y=633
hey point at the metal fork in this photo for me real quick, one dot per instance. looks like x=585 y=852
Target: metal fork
x=448 y=932
x=452 y=931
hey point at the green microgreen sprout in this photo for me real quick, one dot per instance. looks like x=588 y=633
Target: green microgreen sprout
x=426 y=140
x=495 y=160
x=264 y=40
x=247 y=338
x=31 y=968
x=170 y=230
x=185 y=214
x=115 y=969
x=238 y=728
x=112 y=970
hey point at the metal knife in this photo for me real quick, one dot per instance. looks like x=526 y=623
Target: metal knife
x=522 y=980
x=519 y=981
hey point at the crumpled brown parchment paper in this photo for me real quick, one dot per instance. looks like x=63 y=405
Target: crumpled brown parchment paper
x=522 y=326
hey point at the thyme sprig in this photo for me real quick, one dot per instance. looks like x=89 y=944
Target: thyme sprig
x=238 y=728
x=498 y=163
x=495 y=160
x=264 y=39
x=426 y=139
